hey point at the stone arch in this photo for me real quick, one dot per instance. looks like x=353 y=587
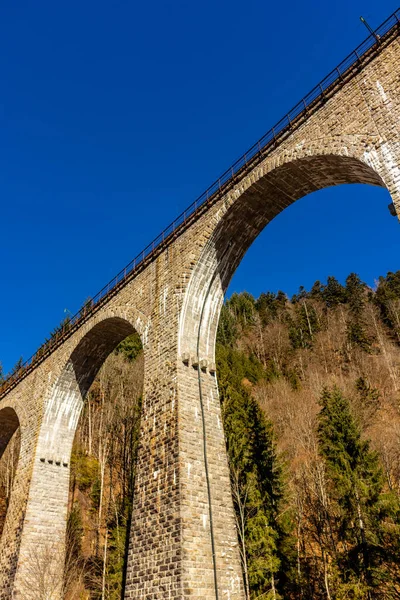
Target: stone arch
x=9 y=423
x=49 y=489
x=9 y=426
x=75 y=373
x=134 y=318
x=271 y=187
x=67 y=395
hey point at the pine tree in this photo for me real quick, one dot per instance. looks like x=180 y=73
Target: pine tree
x=356 y=295
x=387 y=299
x=333 y=293
x=269 y=306
x=302 y=294
x=303 y=325
x=242 y=307
x=256 y=476
x=357 y=488
x=227 y=328
x=316 y=291
x=130 y=347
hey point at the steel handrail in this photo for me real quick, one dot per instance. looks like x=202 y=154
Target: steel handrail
x=236 y=171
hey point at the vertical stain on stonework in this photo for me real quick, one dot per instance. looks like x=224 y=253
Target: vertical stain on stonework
x=382 y=93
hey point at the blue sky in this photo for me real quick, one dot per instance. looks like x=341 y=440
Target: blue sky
x=114 y=116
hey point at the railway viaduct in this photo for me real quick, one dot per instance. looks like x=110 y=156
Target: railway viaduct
x=183 y=541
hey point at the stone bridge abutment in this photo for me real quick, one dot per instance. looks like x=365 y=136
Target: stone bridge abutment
x=183 y=542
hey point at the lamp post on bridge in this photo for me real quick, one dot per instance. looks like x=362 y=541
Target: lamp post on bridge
x=372 y=32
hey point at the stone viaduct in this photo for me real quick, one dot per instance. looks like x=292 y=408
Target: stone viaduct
x=183 y=541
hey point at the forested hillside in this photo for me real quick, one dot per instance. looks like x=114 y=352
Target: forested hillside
x=310 y=399
x=310 y=396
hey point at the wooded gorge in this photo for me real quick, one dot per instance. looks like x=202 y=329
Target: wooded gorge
x=310 y=396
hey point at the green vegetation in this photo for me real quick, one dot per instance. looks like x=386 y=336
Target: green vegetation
x=307 y=388
x=365 y=524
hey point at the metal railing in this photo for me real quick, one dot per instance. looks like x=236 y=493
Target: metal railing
x=320 y=93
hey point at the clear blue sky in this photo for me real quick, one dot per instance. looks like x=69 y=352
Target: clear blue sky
x=114 y=116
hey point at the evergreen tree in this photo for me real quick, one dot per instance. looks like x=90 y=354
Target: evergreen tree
x=256 y=475
x=242 y=306
x=357 y=335
x=270 y=305
x=130 y=347
x=227 y=329
x=357 y=488
x=356 y=294
x=316 y=291
x=302 y=294
x=303 y=325
x=333 y=293
x=387 y=298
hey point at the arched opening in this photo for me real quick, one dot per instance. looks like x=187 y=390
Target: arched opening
x=274 y=357
x=10 y=443
x=103 y=461
x=331 y=231
x=252 y=207
x=86 y=454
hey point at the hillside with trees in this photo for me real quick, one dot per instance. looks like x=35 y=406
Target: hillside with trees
x=310 y=398
x=314 y=455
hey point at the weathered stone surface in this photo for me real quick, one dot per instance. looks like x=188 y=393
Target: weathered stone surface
x=182 y=487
